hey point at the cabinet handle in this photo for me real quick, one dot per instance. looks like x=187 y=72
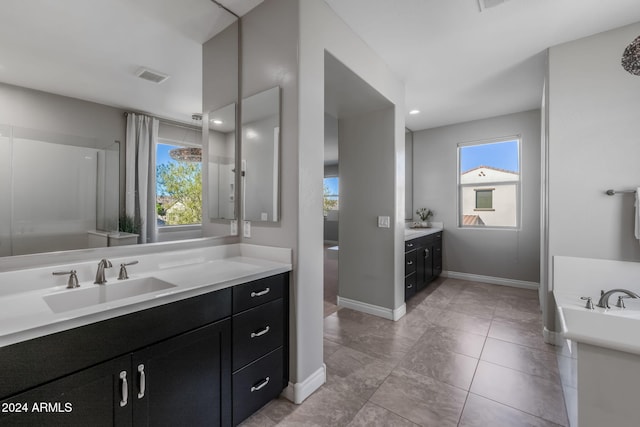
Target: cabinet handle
x=124 y=389
x=409 y=245
x=262 y=384
x=142 y=381
x=426 y=253
x=409 y=262
x=259 y=294
x=410 y=285
x=260 y=333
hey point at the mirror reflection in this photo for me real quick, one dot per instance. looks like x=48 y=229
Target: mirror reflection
x=260 y=155
x=57 y=190
x=221 y=137
x=63 y=125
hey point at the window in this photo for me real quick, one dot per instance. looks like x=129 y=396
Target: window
x=484 y=199
x=489 y=183
x=178 y=184
x=331 y=198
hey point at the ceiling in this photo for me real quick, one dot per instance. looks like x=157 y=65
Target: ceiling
x=92 y=49
x=458 y=63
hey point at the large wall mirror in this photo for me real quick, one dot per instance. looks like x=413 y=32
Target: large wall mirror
x=67 y=81
x=261 y=156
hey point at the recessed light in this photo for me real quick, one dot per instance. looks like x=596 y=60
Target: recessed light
x=414 y=112
x=217 y=121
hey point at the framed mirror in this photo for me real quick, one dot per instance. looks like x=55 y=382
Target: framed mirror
x=261 y=156
x=221 y=154
x=164 y=62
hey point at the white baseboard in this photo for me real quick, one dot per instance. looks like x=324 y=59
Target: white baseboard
x=492 y=280
x=375 y=310
x=298 y=392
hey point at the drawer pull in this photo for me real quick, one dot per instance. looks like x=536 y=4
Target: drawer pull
x=142 y=384
x=124 y=389
x=261 y=293
x=409 y=262
x=262 y=384
x=409 y=245
x=410 y=285
x=260 y=333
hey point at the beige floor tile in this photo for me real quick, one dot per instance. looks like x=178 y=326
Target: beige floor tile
x=481 y=412
x=460 y=321
x=324 y=408
x=519 y=333
x=524 y=359
x=445 y=366
x=420 y=399
x=376 y=416
x=535 y=395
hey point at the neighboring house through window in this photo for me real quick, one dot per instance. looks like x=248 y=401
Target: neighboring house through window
x=331 y=195
x=489 y=183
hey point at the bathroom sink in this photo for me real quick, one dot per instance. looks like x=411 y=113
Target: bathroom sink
x=101 y=294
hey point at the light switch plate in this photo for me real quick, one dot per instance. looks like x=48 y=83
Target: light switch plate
x=247 y=229
x=264 y=216
x=234 y=227
x=384 y=222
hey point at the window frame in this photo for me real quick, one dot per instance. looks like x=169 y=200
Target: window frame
x=489 y=184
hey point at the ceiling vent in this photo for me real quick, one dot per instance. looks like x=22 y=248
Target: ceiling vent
x=487 y=4
x=151 y=75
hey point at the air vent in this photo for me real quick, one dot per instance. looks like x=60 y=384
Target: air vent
x=151 y=75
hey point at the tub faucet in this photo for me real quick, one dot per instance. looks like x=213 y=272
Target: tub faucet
x=604 y=296
x=100 y=279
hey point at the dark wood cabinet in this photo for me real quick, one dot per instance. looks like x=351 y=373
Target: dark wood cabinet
x=190 y=377
x=426 y=251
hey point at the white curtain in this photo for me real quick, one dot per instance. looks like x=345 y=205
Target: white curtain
x=140 y=203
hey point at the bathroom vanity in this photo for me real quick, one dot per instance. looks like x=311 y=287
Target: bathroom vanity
x=204 y=352
x=423 y=258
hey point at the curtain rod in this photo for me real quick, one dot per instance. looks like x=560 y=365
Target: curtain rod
x=173 y=122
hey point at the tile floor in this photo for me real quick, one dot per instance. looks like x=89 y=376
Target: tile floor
x=465 y=354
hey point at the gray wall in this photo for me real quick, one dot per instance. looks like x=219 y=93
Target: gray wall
x=509 y=254
x=365 y=272
x=270 y=58
x=220 y=57
x=593 y=145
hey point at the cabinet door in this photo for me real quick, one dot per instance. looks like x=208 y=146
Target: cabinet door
x=185 y=380
x=92 y=397
x=428 y=260
x=420 y=263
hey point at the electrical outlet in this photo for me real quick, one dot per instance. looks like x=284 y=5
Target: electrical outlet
x=247 y=229
x=384 y=222
x=264 y=216
x=234 y=227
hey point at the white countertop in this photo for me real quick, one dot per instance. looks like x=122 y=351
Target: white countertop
x=24 y=314
x=413 y=233
x=614 y=328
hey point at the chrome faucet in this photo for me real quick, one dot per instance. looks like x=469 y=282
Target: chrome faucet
x=100 y=279
x=604 y=296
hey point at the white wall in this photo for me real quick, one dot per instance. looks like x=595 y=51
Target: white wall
x=593 y=145
x=508 y=254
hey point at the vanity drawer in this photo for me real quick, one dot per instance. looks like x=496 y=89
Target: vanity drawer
x=410 y=261
x=257 y=292
x=410 y=285
x=257 y=332
x=256 y=384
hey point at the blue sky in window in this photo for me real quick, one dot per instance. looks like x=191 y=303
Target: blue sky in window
x=501 y=155
x=332 y=183
x=162 y=157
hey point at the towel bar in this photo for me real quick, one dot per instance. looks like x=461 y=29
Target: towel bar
x=612 y=192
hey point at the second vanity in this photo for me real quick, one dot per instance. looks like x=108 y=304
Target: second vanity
x=423 y=258
x=207 y=347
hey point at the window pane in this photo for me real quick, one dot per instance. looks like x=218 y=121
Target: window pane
x=178 y=186
x=489 y=176
x=331 y=194
x=484 y=199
